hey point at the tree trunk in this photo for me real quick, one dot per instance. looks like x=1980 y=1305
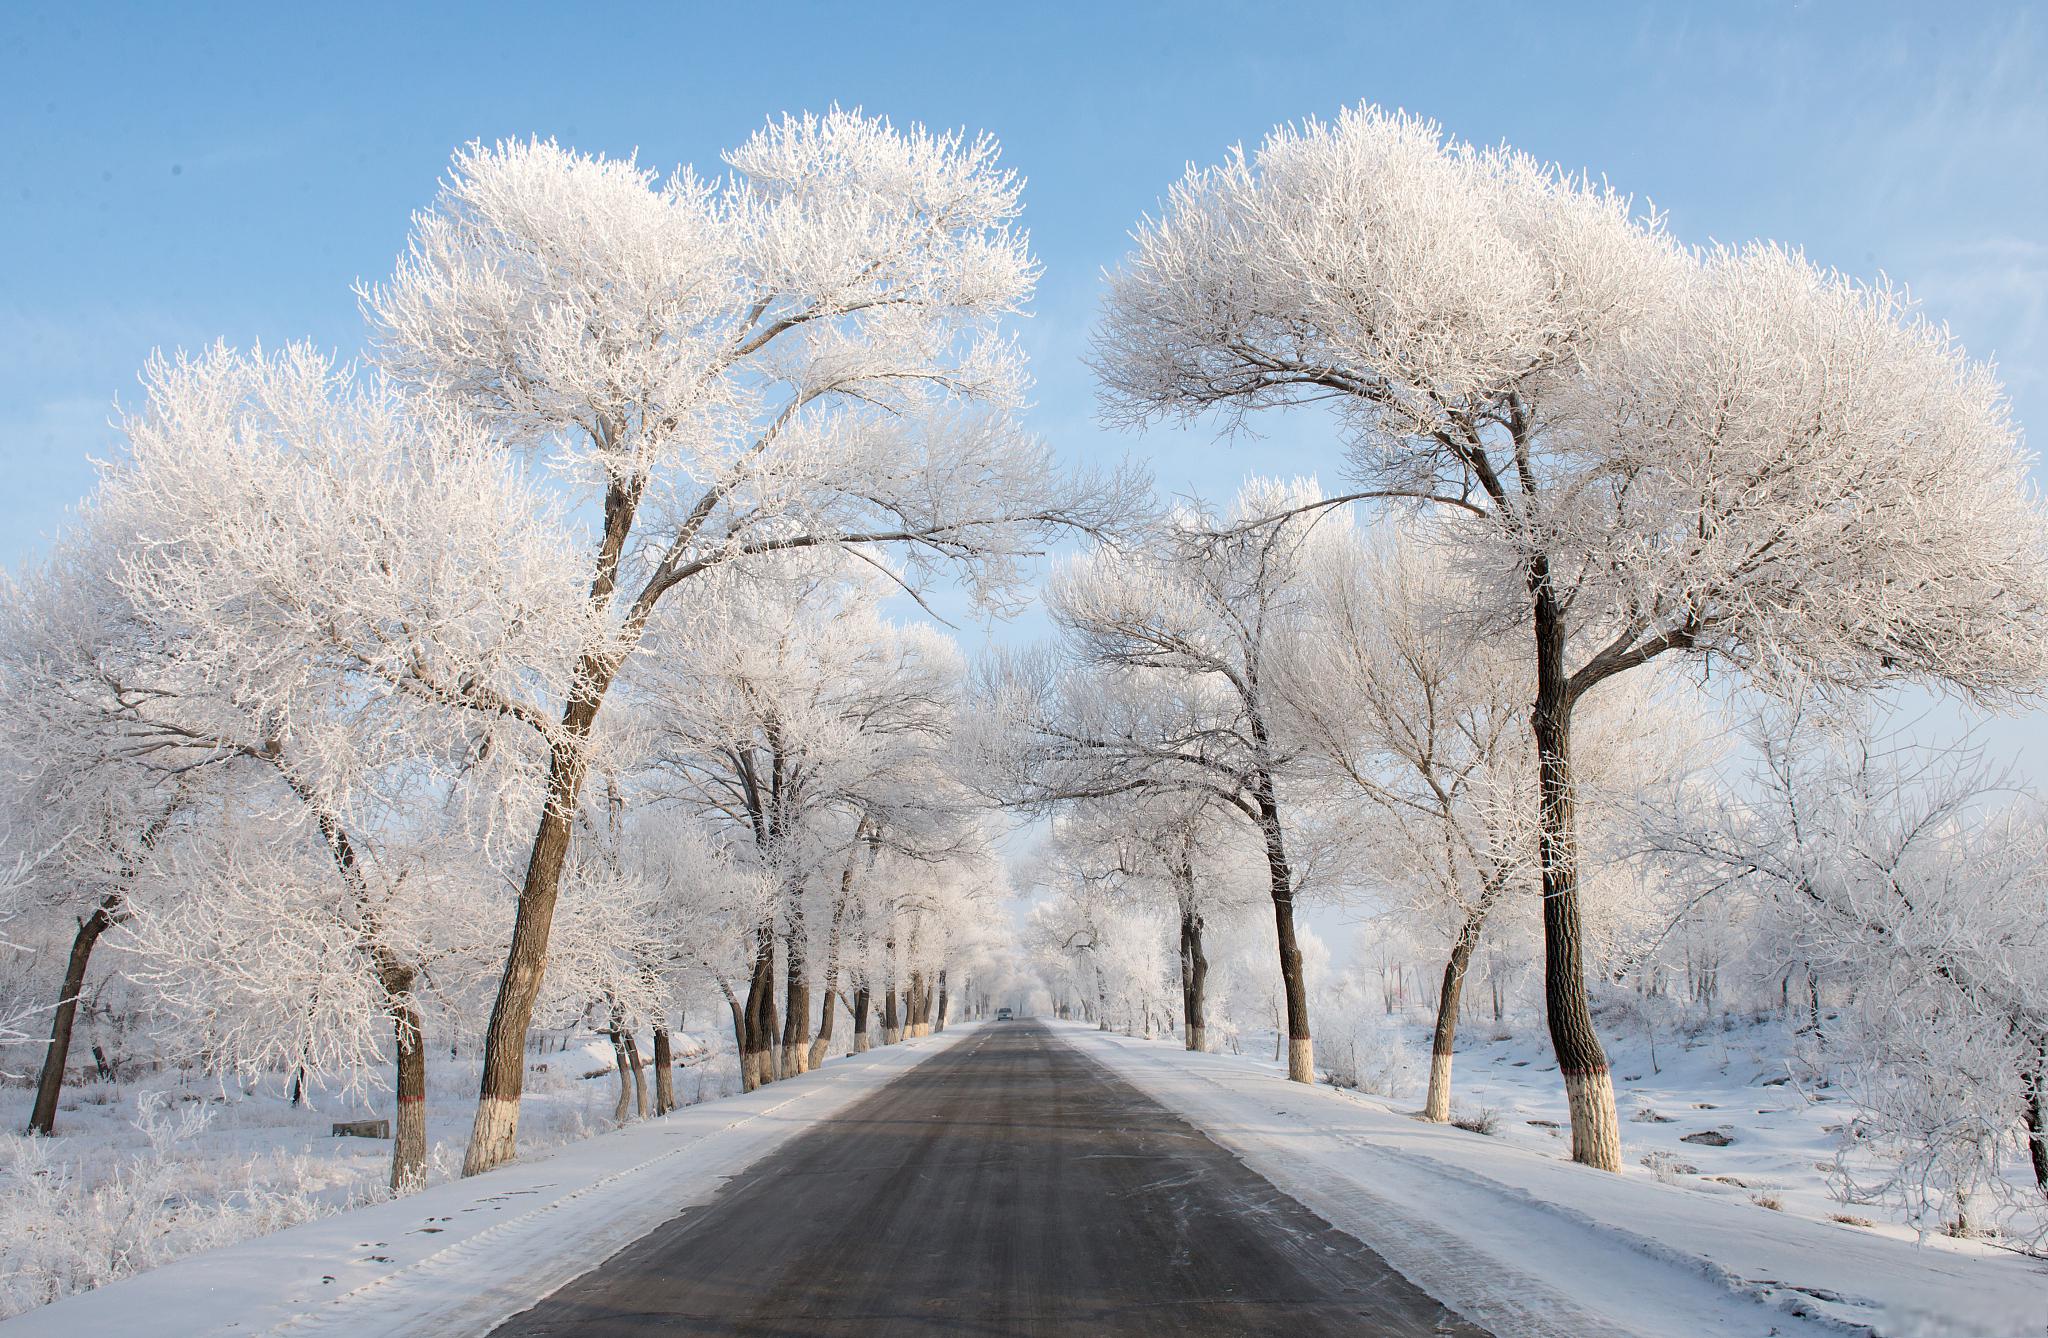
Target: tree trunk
x=1301 y=1066
x=1194 y=981
x=892 y=1030
x=821 y=1047
x=43 y=1118
x=862 y=1006
x=796 y=1034
x=395 y=978
x=1589 y=1088
x=623 y=1066
x=916 y=1006
x=1437 y=1108
x=2037 y=1120
x=639 y=1072
x=409 y=1144
x=739 y=1026
x=939 y=1013
x=821 y=1044
x=494 y=1133
x=664 y=1070
x=757 y=1057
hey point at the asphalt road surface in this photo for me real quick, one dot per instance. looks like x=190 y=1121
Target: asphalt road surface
x=1008 y=1186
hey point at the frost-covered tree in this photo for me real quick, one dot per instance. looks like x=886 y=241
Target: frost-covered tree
x=1911 y=875
x=1165 y=686
x=1106 y=950
x=1181 y=851
x=1426 y=723
x=1424 y=718
x=1642 y=450
x=793 y=715
x=803 y=354
x=92 y=821
x=683 y=919
x=258 y=602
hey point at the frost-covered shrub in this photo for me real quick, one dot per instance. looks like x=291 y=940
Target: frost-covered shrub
x=1360 y=1045
x=63 y=1230
x=1903 y=885
x=1937 y=1100
x=1485 y=1121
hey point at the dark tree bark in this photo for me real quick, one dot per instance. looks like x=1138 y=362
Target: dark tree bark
x=110 y=912
x=1301 y=1065
x=1589 y=1088
x=1438 y=1106
x=939 y=1010
x=796 y=1034
x=664 y=1070
x=1194 y=981
x=757 y=1056
x=494 y=1134
x=2037 y=1119
x=862 y=1006
x=50 y=1084
x=409 y=1148
x=739 y=1025
x=396 y=978
x=917 y=1006
x=892 y=1028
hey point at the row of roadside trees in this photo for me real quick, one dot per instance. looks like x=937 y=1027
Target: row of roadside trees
x=549 y=636
x=590 y=551
x=1595 y=456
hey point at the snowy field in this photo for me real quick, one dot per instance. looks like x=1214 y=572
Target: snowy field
x=1506 y=1230
x=147 y=1170
x=1785 y=1151
x=1728 y=1105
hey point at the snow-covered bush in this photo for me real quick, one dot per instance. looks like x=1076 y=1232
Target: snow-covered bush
x=1363 y=1046
x=1910 y=878
x=63 y=1229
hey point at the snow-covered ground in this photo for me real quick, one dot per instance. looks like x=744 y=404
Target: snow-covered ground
x=161 y=1165
x=1505 y=1229
x=1499 y=1226
x=1731 y=1080
x=387 y=1266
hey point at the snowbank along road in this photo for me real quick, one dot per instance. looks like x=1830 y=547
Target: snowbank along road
x=1007 y=1186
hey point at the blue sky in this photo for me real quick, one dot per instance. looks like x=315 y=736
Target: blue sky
x=176 y=175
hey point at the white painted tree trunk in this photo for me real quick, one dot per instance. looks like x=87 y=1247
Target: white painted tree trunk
x=1596 y=1131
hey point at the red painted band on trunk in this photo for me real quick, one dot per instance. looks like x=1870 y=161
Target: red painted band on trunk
x=410 y=1100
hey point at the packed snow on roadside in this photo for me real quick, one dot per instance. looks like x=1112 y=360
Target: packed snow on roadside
x=1506 y=1230
x=160 y=1166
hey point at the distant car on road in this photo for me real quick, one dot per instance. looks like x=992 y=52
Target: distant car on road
x=1004 y=1015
